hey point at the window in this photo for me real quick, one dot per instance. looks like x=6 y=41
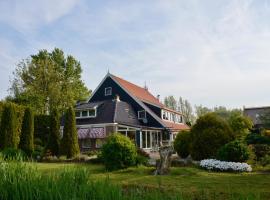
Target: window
x=108 y=91
x=142 y=114
x=85 y=113
x=78 y=113
x=92 y=112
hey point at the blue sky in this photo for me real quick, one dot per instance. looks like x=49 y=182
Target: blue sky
x=210 y=52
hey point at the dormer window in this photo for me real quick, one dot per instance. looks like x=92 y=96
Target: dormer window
x=142 y=114
x=108 y=91
x=89 y=113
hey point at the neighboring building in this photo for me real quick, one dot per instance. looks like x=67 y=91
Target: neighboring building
x=120 y=106
x=255 y=114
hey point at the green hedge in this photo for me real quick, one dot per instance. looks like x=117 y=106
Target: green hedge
x=182 y=143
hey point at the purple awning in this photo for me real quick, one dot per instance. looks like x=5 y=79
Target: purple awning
x=84 y=133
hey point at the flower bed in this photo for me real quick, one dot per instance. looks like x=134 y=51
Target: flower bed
x=217 y=165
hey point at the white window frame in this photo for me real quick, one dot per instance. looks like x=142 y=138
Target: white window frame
x=106 y=93
x=140 y=111
x=88 y=116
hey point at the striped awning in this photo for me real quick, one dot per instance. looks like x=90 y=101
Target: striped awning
x=97 y=132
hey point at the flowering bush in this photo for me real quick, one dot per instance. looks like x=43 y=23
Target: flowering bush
x=217 y=165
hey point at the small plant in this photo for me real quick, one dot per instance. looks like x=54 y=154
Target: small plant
x=261 y=150
x=11 y=154
x=265 y=160
x=234 y=151
x=118 y=152
x=182 y=144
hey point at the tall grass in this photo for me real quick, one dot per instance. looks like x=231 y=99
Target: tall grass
x=21 y=180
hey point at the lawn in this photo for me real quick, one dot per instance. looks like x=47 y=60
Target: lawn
x=189 y=182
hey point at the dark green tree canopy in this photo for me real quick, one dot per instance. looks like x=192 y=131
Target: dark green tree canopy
x=48 y=80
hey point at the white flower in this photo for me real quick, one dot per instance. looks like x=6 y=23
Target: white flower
x=212 y=164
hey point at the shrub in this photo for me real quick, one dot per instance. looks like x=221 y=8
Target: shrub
x=54 y=138
x=9 y=154
x=27 y=132
x=234 y=151
x=118 y=152
x=70 y=145
x=265 y=160
x=142 y=157
x=209 y=134
x=182 y=144
x=9 y=136
x=261 y=150
x=217 y=165
x=256 y=138
x=240 y=124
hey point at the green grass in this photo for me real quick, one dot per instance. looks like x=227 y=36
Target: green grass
x=186 y=182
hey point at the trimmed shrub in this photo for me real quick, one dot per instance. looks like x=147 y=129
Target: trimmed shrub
x=182 y=144
x=256 y=138
x=118 y=152
x=70 y=145
x=209 y=134
x=234 y=151
x=54 y=138
x=9 y=137
x=27 y=132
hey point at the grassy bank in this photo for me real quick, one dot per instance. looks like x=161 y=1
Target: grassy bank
x=88 y=181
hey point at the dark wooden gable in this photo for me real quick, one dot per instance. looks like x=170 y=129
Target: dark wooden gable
x=99 y=95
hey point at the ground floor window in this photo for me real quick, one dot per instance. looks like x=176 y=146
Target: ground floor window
x=86 y=143
x=150 y=139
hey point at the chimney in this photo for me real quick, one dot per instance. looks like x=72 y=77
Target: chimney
x=158 y=97
x=145 y=86
x=117 y=98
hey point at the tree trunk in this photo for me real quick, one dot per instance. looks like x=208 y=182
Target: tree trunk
x=164 y=164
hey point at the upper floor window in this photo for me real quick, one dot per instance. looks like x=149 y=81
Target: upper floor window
x=89 y=113
x=108 y=91
x=142 y=114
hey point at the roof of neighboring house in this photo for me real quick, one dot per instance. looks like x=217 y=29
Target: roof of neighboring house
x=175 y=126
x=257 y=108
x=110 y=111
x=139 y=92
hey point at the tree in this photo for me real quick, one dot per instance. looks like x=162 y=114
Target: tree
x=9 y=137
x=201 y=110
x=240 y=124
x=27 y=133
x=208 y=134
x=54 y=137
x=186 y=109
x=48 y=81
x=182 y=143
x=70 y=146
x=170 y=102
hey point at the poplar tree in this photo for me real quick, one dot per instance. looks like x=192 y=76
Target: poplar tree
x=54 y=137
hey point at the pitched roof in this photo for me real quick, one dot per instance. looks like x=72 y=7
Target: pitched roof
x=139 y=92
x=175 y=126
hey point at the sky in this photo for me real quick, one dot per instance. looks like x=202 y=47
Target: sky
x=211 y=52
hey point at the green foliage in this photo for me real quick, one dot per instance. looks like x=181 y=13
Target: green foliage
x=182 y=143
x=234 y=151
x=27 y=132
x=9 y=135
x=265 y=119
x=70 y=145
x=255 y=138
x=209 y=134
x=170 y=102
x=261 y=150
x=42 y=128
x=10 y=154
x=240 y=124
x=47 y=81
x=54 y=138
x=142 y=157
x=118 y=152
x=265 y=160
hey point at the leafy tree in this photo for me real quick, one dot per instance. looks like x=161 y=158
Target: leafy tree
x=47 y=81
x=54 y=137
x=208 y=134
x=182 y=143
x=240 y=125
x=27 y=133
x=118 y=152
x=201 y=110
x=9 y=137
x=170 y=102
x=70 y=145
x=186 y=109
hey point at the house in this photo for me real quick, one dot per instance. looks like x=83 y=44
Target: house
x=255 y=113
x=120 y=106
